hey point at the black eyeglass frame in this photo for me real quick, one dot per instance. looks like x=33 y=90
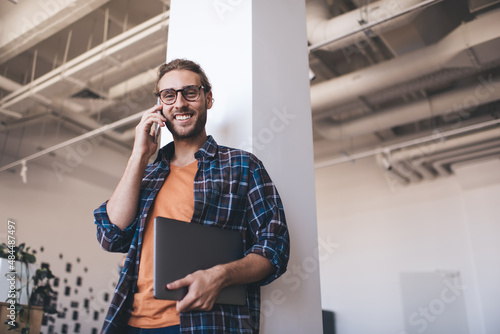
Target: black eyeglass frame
x=182 y=92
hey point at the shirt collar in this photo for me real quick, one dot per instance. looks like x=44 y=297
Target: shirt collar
x=208 y=150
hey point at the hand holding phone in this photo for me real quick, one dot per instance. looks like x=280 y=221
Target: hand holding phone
x=158 y=128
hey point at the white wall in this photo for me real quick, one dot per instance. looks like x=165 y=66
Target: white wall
x=381 y=232
x=256 y=57
x=57 y=215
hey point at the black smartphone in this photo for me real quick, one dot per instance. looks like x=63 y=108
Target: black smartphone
x=158 y=128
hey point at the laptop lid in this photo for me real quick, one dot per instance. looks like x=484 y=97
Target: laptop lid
x=181 y=248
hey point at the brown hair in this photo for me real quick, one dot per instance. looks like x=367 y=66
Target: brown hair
x=183 y=64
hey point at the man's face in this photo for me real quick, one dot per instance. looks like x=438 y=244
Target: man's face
x=185 y=119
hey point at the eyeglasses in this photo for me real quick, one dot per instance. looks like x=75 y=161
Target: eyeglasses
x=190 y=93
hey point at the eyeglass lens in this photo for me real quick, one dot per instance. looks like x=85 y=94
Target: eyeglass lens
x=190 y=93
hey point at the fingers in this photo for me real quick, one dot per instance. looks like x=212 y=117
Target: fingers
x=151 y=116
x=202 y=292
x=180 y=283
x=144 y=144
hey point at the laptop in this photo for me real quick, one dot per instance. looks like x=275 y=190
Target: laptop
x=181 y=248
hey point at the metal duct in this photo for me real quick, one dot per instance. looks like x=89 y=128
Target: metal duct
x=322 y=28
x=421 y=151
x=417 y=144
x=411 y=163
x=471 y=44
x=440 y=165
x=422 y=164
x=451 y=103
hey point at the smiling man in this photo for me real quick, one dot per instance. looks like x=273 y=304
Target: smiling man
x=192 y=179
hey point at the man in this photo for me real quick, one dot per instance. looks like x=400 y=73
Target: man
x=232 y=190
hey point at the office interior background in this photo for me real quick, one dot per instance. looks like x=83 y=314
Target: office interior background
x=405 y=103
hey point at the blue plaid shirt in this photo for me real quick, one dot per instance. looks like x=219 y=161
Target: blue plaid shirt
x=232 y=190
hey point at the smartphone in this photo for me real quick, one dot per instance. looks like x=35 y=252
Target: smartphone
x=158 y=128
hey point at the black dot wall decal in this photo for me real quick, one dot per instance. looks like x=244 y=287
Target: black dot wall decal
x=76 y=295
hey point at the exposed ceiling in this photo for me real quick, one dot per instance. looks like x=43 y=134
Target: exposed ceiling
x=414 y=83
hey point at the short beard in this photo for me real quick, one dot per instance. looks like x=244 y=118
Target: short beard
x=198 y=128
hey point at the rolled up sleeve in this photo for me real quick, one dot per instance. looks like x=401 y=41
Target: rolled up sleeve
x=109 y=236
x=267 y=224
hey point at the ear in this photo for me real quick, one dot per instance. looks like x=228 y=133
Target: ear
x=209 y=99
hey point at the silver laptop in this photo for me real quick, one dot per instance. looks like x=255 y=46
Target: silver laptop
x=181 y=248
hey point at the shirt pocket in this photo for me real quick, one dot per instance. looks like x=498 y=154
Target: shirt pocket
x=226 y=210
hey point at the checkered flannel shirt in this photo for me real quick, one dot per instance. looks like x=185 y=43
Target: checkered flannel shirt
x=232 y=190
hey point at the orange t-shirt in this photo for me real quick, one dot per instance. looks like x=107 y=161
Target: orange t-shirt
x=174 y=200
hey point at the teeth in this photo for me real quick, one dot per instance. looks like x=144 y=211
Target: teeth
x=183 y=117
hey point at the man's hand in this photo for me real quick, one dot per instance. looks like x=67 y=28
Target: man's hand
x=204 y=287
x=144 y=144
x=122 y=206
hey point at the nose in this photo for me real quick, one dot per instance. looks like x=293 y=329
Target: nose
x=180 y=101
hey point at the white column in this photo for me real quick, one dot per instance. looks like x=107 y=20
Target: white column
x=255 y=54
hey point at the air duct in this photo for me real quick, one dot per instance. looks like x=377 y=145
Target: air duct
x=450 y=105
x=471 y=44
x=413 y=163
x=350 y=28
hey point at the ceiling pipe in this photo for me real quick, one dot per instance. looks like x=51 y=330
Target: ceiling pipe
x=471 y=44
x=449 y=104
x=10 y=113
x=419 y=144
x=144 y=60
x=440 y=168
x=413 y=166
x=144 y=79
x=429 y=82
x=457 y=154
x=423 y=165
x=93 y=56
x=9 y=85
x=59 y=15
x=74 y=140
x=82 y=122
x=437 y=145
x=352 y=27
